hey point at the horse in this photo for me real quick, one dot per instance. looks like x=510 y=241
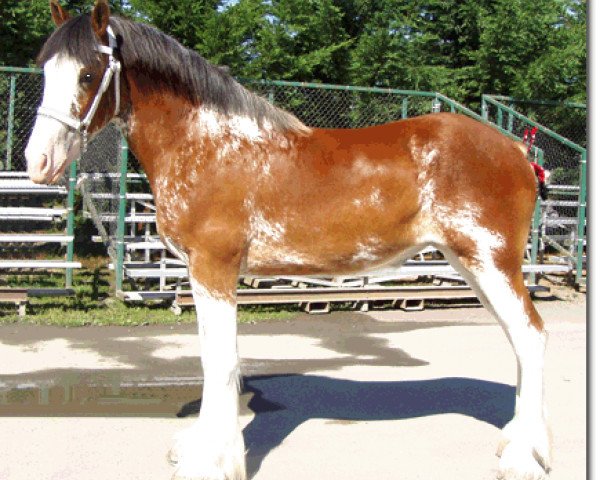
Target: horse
x=243 y=187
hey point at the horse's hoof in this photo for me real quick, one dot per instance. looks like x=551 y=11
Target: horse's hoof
x=197 y=456
x=532 y=438
x=191 y=475
x=520 y=462
x=173 y=457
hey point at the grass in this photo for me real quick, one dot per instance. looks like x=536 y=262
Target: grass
x=94 y=304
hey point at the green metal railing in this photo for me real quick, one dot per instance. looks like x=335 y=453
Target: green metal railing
x=562 y=155
x=319 y=105
x=341 y=106
x=72 y=185
x=120 y=240
x=11 y=121
x=567 y=119
x=20 y=89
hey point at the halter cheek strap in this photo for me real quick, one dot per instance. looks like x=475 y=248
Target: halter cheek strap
x=113 y=68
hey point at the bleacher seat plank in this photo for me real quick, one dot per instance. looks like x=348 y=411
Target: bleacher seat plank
x=25 y=186
x=18 y=296
x=34 y=238
x=35 y=264
x=31 y=213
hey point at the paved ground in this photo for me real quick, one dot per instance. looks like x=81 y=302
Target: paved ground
x=386 y=395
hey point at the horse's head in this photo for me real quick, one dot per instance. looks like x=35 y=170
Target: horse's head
x=81 y=90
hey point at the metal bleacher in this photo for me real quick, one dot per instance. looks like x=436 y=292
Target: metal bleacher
x=150 y=272
x=36 y=221
x=34 y=236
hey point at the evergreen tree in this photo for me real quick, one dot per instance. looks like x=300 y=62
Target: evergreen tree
x=24 y=27
x=462 y=48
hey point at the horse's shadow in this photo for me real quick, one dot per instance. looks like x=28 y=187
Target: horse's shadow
x=283 y=402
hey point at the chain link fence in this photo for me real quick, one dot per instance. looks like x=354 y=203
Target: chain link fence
x=98 y=182
x=331 y=106
x=122 y=209
x=562 y=138
x=148 y=266
x=567 y=119
x=565 y=124
x=20 y=95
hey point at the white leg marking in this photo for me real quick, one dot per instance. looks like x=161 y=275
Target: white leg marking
x=525 y=451
x=213 y=448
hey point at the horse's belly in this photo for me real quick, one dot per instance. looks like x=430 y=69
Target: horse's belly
x=278 y=258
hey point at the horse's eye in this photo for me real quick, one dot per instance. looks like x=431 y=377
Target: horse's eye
x=86 y=78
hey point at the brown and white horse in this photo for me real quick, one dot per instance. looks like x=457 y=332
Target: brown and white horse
x=242 y=186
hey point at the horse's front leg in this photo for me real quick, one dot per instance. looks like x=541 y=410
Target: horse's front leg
x=213 y=447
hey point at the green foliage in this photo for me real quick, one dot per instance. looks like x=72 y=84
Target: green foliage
x=565 y=176
x=559 y=71
x=535 y=50
x=462 y=48
x=27 y=23
x=24 y=26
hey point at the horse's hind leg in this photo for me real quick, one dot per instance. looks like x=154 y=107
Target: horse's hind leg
x=496 y=277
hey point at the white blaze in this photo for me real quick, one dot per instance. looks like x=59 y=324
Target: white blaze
x=53 y=145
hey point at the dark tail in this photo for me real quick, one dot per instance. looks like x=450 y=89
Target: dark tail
x=539 y=172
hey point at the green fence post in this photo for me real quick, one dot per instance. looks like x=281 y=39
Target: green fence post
x=510 y=121
x=500 y=117
x=405 y=107
x=71 y=222
x=581 y=215
x=121 y=217
x=11 y=121
x=484 y=108
x=537 y=221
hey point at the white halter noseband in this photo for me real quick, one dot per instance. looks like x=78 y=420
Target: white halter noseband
x=113 y=68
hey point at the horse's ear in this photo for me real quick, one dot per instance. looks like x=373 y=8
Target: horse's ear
x=59 y=14
x=100 y=17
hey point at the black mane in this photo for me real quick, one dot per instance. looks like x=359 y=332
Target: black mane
x=167 y=64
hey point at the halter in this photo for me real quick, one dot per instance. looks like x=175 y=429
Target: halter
x=112 y=68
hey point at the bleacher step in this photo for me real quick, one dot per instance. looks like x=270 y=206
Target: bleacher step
x=38 y=264
x=23 y=186
x=31 y=213
x=35 y=238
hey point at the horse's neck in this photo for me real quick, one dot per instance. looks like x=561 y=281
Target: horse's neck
x=156 y=123
x=166 y=130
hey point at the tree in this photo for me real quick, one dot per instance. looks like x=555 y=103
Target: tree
x=420 y=46
x=24 y=27
x=559 y=71
x=283 y=39
x=27 y=23
x=462 y=48
x=184 y=19
x=465 y=48
x=305 y=41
